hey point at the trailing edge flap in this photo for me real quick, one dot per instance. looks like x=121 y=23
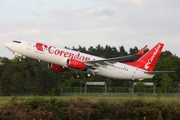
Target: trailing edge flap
x=159 y=72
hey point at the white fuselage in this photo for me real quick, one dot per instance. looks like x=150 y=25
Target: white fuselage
x=57 y=55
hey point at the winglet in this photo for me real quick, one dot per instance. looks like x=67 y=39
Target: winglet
x=141 y=52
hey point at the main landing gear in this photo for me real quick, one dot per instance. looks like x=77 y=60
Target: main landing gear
x=77 y=75
x=88 y=75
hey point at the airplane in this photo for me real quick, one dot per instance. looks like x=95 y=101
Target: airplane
x=60 y=59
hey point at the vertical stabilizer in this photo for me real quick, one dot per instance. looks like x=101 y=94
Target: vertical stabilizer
x=148 y=60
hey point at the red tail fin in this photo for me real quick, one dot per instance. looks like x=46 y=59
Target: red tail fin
x=148 y=60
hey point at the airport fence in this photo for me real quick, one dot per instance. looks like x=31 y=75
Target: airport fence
x=63 y=90
x=115 y=90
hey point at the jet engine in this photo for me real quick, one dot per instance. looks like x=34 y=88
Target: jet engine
x=75 y=64
x=56 y=67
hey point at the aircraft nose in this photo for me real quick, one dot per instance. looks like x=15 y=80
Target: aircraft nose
x=8 y=45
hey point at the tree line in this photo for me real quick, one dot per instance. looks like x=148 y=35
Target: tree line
x=33 y=77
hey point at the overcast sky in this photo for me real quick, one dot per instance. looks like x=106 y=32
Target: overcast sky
x=91 y=22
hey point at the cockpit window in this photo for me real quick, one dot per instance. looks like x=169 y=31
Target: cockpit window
x=16 y=41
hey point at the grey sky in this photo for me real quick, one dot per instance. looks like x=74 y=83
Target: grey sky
x=91 y=22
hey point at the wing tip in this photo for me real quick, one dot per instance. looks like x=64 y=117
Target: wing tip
x=141 y=52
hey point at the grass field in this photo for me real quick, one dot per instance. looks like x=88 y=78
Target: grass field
x=111 y=98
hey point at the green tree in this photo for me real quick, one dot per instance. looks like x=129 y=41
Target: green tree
x=122 y=51
x=133 y=50
x=5 y=76
x=38 y=90
x=166 y=83
x=31 y=76
x=140 y=86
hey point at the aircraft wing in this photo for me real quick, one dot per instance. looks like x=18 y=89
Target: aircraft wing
x=111 y=61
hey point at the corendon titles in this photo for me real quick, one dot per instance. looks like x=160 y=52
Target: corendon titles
x=53 y=50
x=152 y=57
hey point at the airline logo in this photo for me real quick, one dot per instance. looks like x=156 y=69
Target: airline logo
x=53 y=50
x=150 y=60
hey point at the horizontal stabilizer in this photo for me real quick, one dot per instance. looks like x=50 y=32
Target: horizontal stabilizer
x=159 y=72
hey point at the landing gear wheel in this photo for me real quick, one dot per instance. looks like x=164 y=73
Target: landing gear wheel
x=88 y=75
x=19 y=59
x=77 y=76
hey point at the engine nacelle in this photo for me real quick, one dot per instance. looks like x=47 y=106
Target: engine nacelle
x=75 y=64
x=56 y=67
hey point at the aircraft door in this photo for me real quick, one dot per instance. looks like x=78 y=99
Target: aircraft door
x=133 y=74
x=29 y=45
